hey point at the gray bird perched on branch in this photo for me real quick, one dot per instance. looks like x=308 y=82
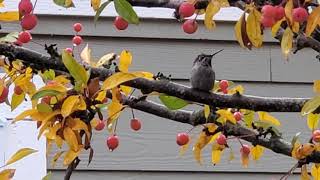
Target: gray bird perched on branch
x=202 y=74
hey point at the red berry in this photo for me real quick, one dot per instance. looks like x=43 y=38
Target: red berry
x=268 y=11
x=4 y=94
x=25 y=7
x=186 y=9
x=316 y=135
x=280 y=13
x=222 y=140
x=190 y=26
x=237 y=116
x=135 y=124
x=17 y=90
x=46 y=100
x=225 y=91
x=100 y=126
x=77 y=40
x=105 y=100
x=29 y=21
x=267 y=21
x=245 y=149
x=120 y=23
x=299 y=14
x=223 y=84
x=24 y=37
x=69 y=50
x=112 y=142
x=77 y=27
x=182 y=139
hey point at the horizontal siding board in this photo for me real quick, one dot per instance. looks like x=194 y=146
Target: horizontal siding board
x=98 y=175
x=148 y=28
x=301 y=67
x=154 y=148
x=175 y=57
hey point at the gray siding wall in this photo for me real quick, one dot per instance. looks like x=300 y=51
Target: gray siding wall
x=159 y=45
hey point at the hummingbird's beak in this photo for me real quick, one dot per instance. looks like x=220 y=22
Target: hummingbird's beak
x=216 y=52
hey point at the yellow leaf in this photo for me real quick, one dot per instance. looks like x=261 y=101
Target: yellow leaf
x=52 y=133
x=254 y=28
x=56 y=87
x=227 y=114
x=236 y=89
x=101 y=96
x=125 y=61
x=70 y=138
x=55 y=158
x=77 y=124
x=16 y=100
x=81 y=104
x=313 y=20
x=121 y=77
x=216 y=153
x=7 y=174
x=238 y=31
x=256 y=152
x=114 y=109
x=304 y=173
x=295 y=27
x=214 y=137
x=25 y=114
x=244 y=160
x=9 y=16
x=288 y=11
x=70 y=156
x=302 y=151
x=315 y=171
x=68 y=105
x=316 y=85
x=310 y=105
x=201 y=142
x=61 y=79
x=212 y=9
x=1 y=4
x=206 y=111
x=126 y=89
x=106 y=59
x=264 y=116
x=313 y=121
x=86 y=54
x=224 y=3
x=21 y=153
x=275 y=28
x=94 y=122
x=95 y=4
x=68 y=3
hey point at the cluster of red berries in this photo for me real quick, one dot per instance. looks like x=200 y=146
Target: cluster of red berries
x=186 y=9
x=272 y=14
x=28 y=21
x=77 y=39
x=113 y=140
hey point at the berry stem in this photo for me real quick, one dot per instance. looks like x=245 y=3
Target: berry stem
x=34 y=6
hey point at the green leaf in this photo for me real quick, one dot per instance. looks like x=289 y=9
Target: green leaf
x=49 y=74
x=295 y=138
x=43 y=107
x=16 y=100
x=99 y=11
x=125 y=10
x=43 y=93
x=62 y=3
x=76 y=70
x=248 y=118
x=310 y=106
x=11 y=37
x=171 y=102
x=47 y=177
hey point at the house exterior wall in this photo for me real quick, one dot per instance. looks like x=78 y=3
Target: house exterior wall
x=159 y=45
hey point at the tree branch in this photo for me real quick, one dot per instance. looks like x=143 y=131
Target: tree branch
x=269 y=104
x=276 y=144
